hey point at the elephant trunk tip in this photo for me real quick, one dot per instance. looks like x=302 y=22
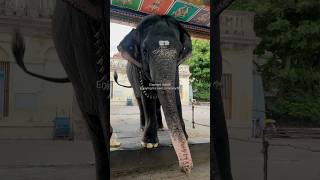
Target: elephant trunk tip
x=186 y=170
x=186 y=165
x=181 y=147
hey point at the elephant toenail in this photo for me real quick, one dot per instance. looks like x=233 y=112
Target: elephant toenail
x=143 y=144
x=149 y=145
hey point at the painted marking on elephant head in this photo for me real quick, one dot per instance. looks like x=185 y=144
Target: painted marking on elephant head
x=163 y=43
x=164 y=50
x=165 y=53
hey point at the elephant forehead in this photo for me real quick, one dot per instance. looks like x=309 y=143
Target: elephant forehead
x=162 y=52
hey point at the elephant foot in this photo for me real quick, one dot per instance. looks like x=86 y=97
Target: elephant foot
x=149 y=145
x=150 y=142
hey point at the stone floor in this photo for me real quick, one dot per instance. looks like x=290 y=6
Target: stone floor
x=125 y=122
x=200 y=172
x=292 y=159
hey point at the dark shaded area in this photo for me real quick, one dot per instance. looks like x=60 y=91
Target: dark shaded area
x=220 y=158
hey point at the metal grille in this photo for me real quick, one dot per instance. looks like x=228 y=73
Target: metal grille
x=5 y=71
x=227 y=95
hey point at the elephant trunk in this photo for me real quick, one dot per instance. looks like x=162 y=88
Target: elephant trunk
x=168 y=100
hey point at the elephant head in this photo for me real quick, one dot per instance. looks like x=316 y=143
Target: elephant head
x=157 y=46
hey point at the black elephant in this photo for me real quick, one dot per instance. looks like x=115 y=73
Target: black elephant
x=154 y=50
x=81 y=40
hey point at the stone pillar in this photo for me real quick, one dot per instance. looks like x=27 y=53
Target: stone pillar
x=2 y=6
x=21 y=8
x=9 y=7
x=46 y=10
x=33 y=8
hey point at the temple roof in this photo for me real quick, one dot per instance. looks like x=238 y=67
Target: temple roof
x=194 y=15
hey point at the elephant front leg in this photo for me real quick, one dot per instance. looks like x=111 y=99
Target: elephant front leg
x=142 y=119
x=150 y=136
x=159 y=116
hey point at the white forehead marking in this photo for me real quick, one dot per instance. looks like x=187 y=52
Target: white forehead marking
x=164 y=43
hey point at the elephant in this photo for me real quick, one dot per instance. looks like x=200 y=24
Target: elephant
x=154 y=50
x=80 y=38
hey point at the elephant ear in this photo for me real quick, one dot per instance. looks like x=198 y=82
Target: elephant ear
x=92 y=8
x=129 y=48
x=186 y=43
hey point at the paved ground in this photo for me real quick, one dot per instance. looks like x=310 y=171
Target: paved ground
x=200 y=172
x=125 y=122
x=79 y=172
x=38 y=160
x=284 y=162
x=67 y=160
